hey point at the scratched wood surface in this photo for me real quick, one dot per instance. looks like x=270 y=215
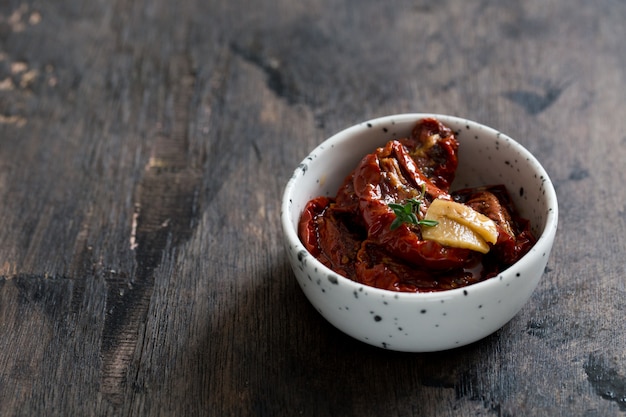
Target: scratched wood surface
x=144 y=146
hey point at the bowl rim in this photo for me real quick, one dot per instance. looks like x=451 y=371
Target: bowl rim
x=544 y=240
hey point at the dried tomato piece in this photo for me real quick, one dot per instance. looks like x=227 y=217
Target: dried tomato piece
x=329 y=233
x=307 y=226
x=391 y=175
x=377 y=268
x=434 y=147
x=515 y=237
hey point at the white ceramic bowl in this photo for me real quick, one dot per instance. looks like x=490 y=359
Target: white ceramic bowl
x=423 y=322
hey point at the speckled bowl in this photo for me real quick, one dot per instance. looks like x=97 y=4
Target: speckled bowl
x=423 y=322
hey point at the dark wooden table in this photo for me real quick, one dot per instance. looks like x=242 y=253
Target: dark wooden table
x=144 y=147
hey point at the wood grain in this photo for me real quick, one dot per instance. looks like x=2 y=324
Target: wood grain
x=144 y=147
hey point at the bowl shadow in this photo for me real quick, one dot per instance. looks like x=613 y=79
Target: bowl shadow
x=284 y=358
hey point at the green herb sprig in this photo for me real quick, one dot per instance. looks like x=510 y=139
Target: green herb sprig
x=407 y=213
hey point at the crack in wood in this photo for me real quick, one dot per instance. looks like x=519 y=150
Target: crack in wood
x=165 y=210
x=606 y=380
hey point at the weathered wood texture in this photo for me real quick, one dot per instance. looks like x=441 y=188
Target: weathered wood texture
x=144 y=146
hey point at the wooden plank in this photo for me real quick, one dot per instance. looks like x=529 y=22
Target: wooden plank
x=144 y=147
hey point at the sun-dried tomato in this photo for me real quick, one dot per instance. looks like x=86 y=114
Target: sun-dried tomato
x=352 y=232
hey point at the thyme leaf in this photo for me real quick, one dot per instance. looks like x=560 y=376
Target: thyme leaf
x=407 y=212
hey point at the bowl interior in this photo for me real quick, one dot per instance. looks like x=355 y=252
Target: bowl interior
x=486 y=157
